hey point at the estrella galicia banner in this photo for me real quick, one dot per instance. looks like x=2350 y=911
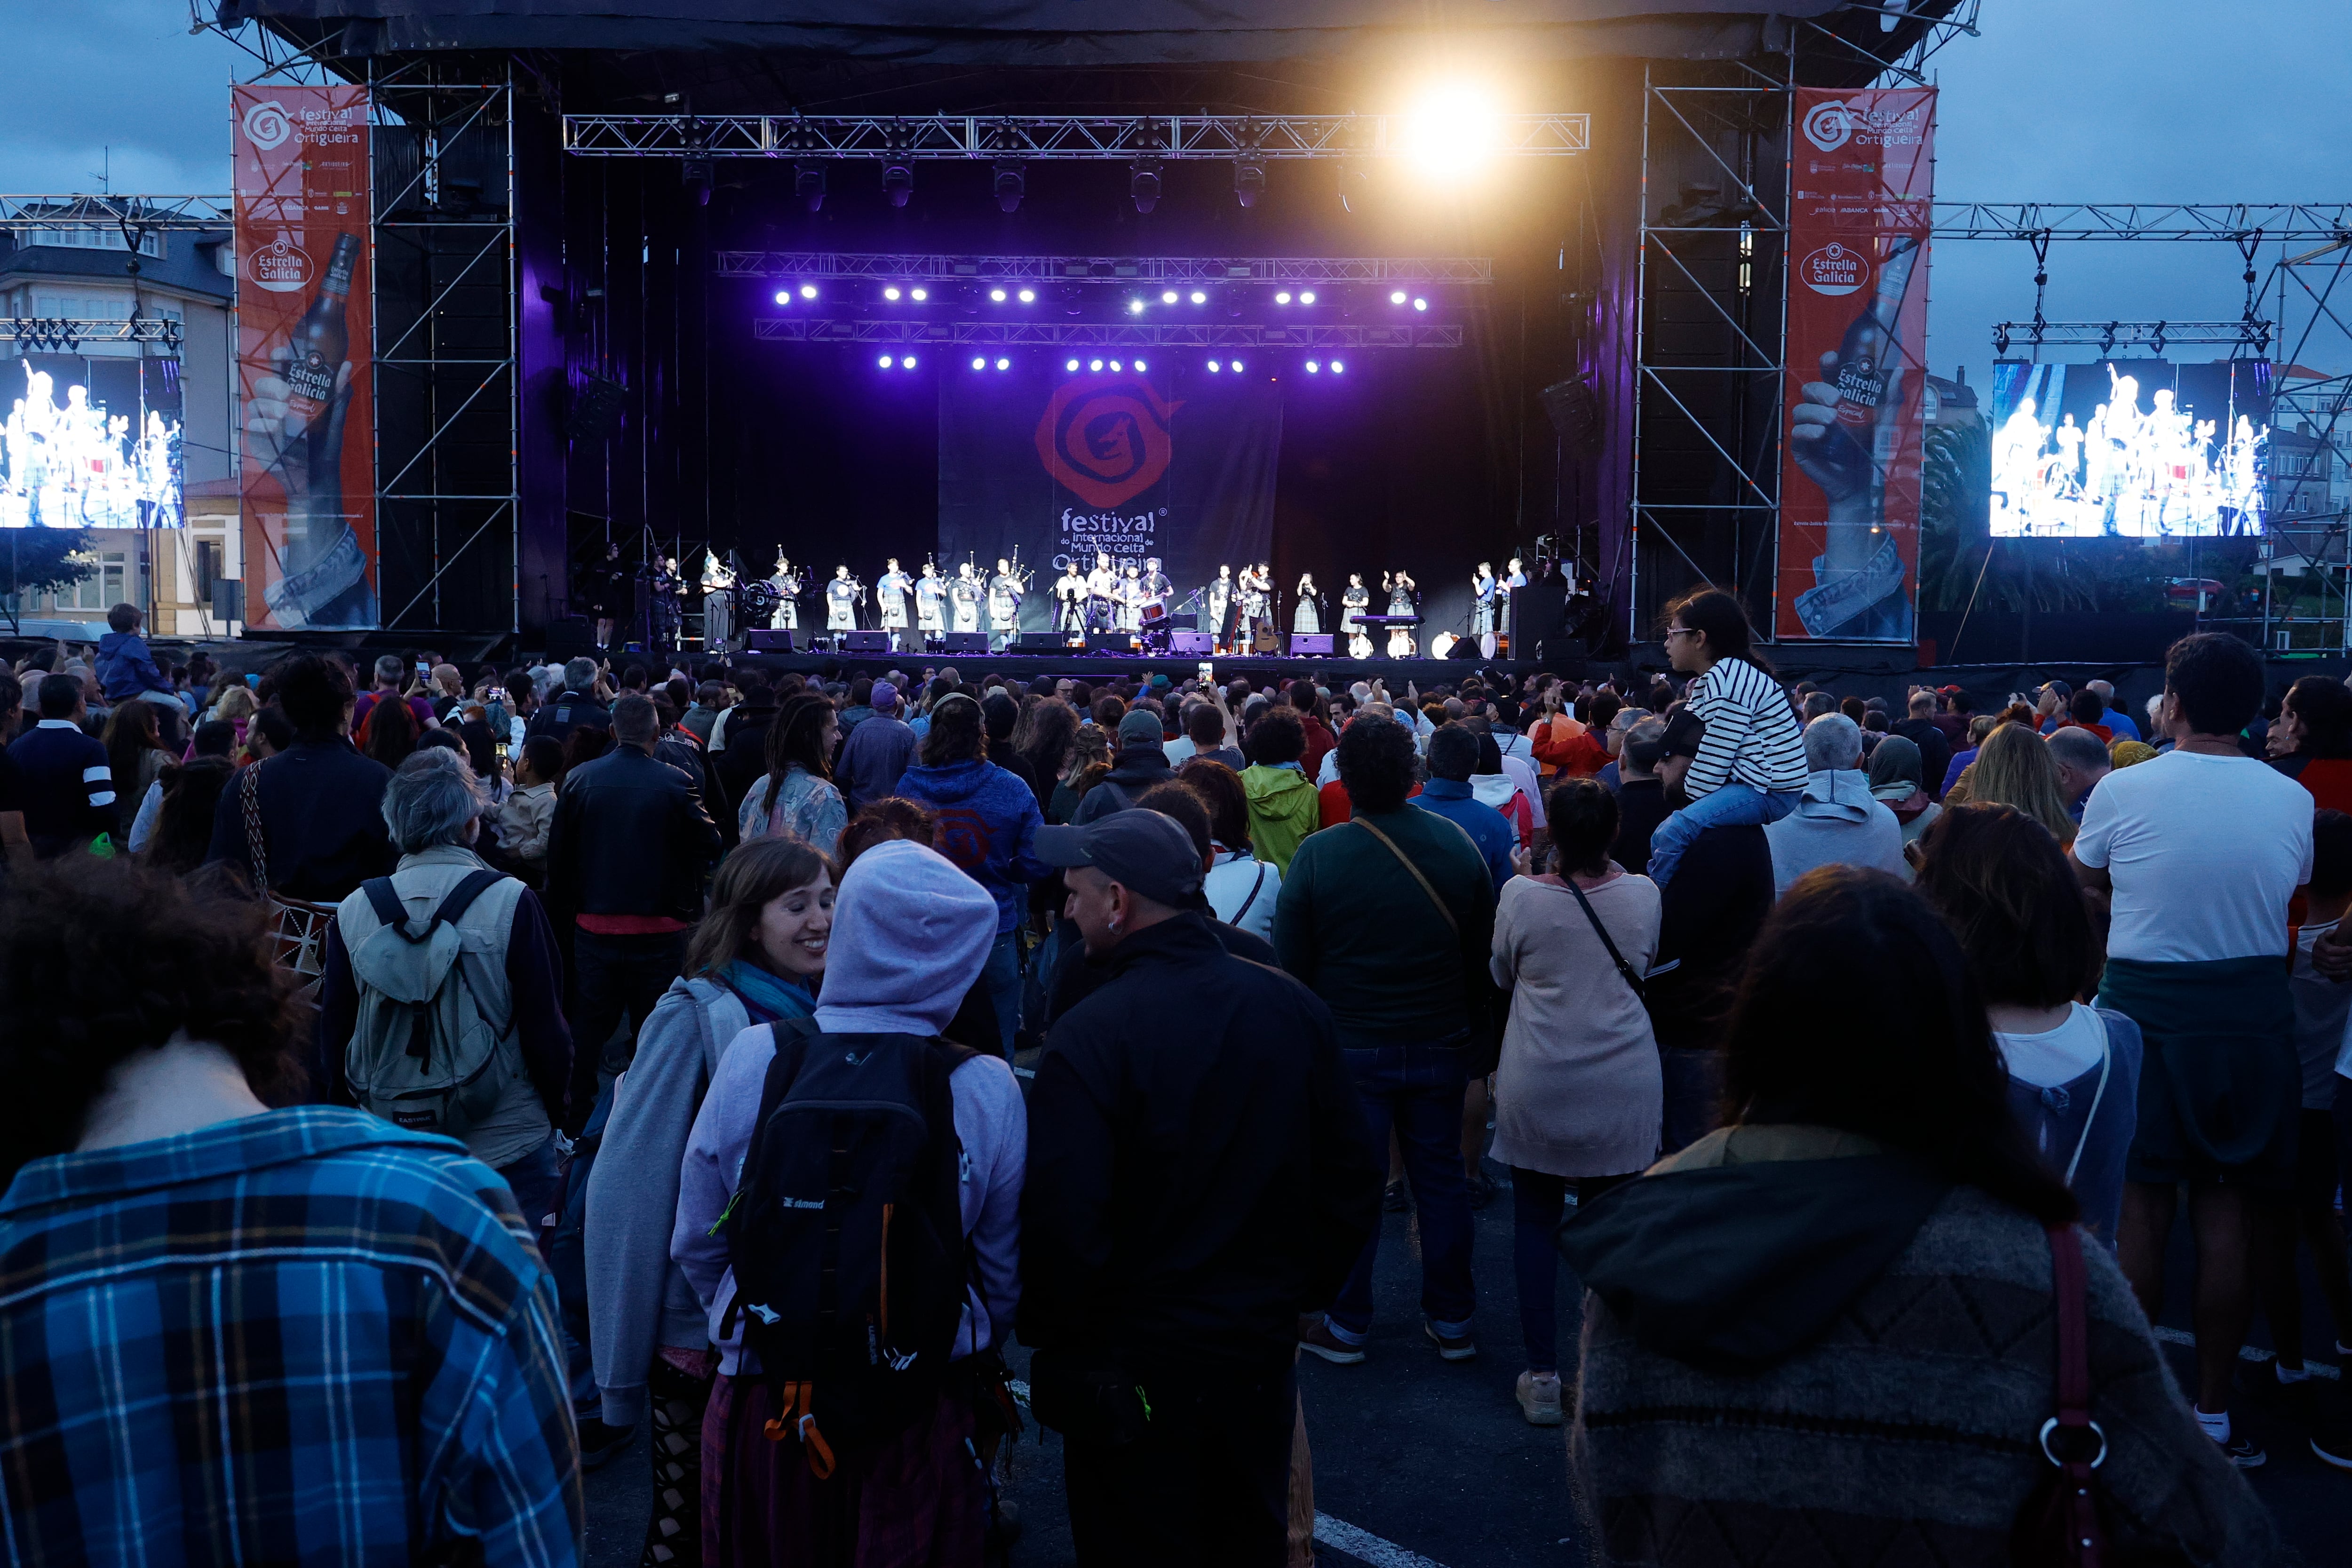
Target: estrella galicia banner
x=303 y=304
x=1862 y=178
x=1048 y=468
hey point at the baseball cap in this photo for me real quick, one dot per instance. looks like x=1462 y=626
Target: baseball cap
x=1684 y=730
x=1141 y=727
x=1141 y=850
x=885 y=695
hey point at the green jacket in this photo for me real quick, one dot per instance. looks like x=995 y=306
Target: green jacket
x=1282 y=810
x=1362 y=933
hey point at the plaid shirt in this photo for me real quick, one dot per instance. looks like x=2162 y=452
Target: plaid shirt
x=302 y=1337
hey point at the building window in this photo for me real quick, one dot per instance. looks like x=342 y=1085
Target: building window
x=98 y=593
x=93 y=239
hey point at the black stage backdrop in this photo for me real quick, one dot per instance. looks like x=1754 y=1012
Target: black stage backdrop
x=1057 y=467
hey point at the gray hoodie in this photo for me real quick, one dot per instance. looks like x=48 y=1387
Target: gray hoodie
x=1836 y=822
x=637 y=1298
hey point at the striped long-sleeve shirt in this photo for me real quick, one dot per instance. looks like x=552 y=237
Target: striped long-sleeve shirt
x=1751 y=733
x=303 y=1337
x=69 y=787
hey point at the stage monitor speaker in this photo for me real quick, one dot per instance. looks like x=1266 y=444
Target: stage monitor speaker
x=1110 y=642
x=1463 y=647
x=763 y=640
x=569 y=638
x=1563 y=656
x=1192 y=644
x=866 y=642
x=1188 y=621
x=1039 y=642
x=963 y=642
x=1539 y=615
x=596 y=409
x=1302 y=644
x=1575 y=414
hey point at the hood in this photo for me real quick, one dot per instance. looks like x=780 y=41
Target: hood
x=111 y=643
x=910 y=934
x=1841 y=794
x=1264 y=783
x=1493 y=789
x=954 y=783
x=1732 y=1268
x=1140 y=764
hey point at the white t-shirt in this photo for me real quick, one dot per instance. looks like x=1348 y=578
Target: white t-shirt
x=1243 y=892
x=2058 y=1055
x=2204 y=851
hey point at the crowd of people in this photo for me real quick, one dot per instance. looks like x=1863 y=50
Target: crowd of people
x=424 y=1084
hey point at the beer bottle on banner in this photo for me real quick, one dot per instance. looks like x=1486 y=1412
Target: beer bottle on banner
x=1865 y=357
x=322 y=339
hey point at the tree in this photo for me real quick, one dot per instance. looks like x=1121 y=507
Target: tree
x=35 y=560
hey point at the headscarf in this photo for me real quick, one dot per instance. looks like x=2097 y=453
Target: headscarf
x=2127 y=752
x=1895 y=771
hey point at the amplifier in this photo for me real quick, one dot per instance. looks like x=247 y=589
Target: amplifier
x=1039 y=642
x=1196 y=644
x=1304 y=643
x=963 y=642
x=1110 y=642
x=762 y=640
x=866 y=642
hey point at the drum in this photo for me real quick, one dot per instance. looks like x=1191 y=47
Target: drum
x=759 y=600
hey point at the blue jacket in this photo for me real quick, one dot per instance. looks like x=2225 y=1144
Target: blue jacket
x=986 y=821
x=1488 y=828
x=125 y=668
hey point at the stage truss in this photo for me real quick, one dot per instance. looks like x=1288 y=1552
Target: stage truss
x=1104 y=334
x=1310 y=270
x=1043 y=139
x=66 y=334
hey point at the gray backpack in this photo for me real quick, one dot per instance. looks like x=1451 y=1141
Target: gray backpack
x=424 y=1054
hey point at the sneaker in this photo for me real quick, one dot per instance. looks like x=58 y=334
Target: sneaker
x=1540 y=1398
x=2242 y=1451
x=1462 y=1348
x=599 y=1443
x=1392 y=1198
x=1320 y=1341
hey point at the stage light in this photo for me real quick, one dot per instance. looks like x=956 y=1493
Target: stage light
x=1307 y=297
x=1249 y=178
x=1283 y=297
x=997 y=295
x=1004 y=364
x=1421 y=304
x=898 y=183
x=1313 y=368
x=808 y=290
x=1199 y=297
x=1028 y=295
x=1397 y=297
x=808 y=183
x=783 y=295
x=980 y=364
x=1135 y=306
x=1010 y=186
x=1236 y=364
x=1338 y=368
x=1094 y=365
x=1114 y=365
x=883 y=362
x=1214 y=367
x=1139 y=365
x=891 y=293
x=1070 y=364
x=920 y=295
x=907 y=363
x=1455 y=128
x=1168 y=298
x=1143 y=184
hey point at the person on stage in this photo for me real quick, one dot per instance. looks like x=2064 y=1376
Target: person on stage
x=788 y=587
x=1004 y=593
x=841 y=596
x=1354 y=600
x=1403 y=596
x=1482 y=608
x=717 y=605
x=668 y=616
x=964 y=596
x=1220 y=608
x=603 y=588
x=1156 y=585
x=1308 y=616
x=1102 y=595
x=930 y=601
x=1257 y=595
x=1130 y=598
x=1515 y=577
x=1070 y=601
x=890 y=590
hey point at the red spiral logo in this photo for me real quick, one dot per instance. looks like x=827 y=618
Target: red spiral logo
x=1106 y=441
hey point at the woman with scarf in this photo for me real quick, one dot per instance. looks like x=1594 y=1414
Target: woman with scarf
x=1897 y=783
x=755 y=959
x=796 y=797
x=1490 y=786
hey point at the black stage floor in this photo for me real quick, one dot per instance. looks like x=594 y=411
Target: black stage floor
x=1078 y=664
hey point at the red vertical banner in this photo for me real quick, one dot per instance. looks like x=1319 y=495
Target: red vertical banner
x=1862 y=179
x=303 y=334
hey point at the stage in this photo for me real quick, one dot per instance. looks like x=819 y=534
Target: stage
x=1078 y=664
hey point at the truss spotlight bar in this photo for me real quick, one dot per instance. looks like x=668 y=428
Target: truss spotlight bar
x=808 y=183
x=1010 y=184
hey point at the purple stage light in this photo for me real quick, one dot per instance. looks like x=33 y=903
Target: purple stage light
x=980 y=364
x=783 y=295
x=1070 y=364
x=1338 y=368
x=808 y=290
x=1396 y=297
x=1282 y=298
x=1004 y=364
x=1214 y=367
x=1199 y=297
x=1314 y=368
x=1114 y=365
x=1140 y=364
x=1094 y=365
x=920 y=295
x=1028 y=295
x=1306 y=297
x=907 y=363
x=883 y=362
x=1236 y=366
x=1421 y=304
x=891 y=293
x=997 y=295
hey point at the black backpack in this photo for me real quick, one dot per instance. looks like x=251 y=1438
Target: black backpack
x=846 y=1235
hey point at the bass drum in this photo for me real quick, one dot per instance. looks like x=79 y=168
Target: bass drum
x=756 y=602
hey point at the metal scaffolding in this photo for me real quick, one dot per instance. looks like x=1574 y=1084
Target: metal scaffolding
x=1289 y=270
x=1108 y=335
x=1043 y=139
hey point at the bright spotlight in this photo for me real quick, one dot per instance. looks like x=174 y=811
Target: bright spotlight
x=907 y=363
x=891 y=293
x=808 y=290
x=997 y=295
x=1236 y=364
x=980 y=364
x=1453 y=129
x=1139 y=365
x=1214 y=367
x=883 y=362
x=1114 y=365
x=1028 y=295
x=1135 y=306
x=783 y=295
x=1168 y=298
x=1338 y=368
x=1313 y=368
x=1283 y=297
x=920 y=295
x=1004 y=364
x=1094 y=365
x=1070 y=364
x=1421 y=304
x=1397 y=297
x=1199 y=297
x=1307 y=297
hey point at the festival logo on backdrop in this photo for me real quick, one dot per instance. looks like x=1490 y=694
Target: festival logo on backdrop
x=1106 y=442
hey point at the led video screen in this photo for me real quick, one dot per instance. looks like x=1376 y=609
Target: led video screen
x=2138 y=448
x=93 y=443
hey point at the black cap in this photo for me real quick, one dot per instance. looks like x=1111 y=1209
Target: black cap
x=1141 y=850
x=1684 y=730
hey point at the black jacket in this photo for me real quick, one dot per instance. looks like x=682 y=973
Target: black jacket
x=1197 y=1178
x=1934 y=750
x=1641 y=807
x=1708 y=919
x=630 y=838
x=1136 y=770
x=744 y=763
x=322 y=821
x=566 y=711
